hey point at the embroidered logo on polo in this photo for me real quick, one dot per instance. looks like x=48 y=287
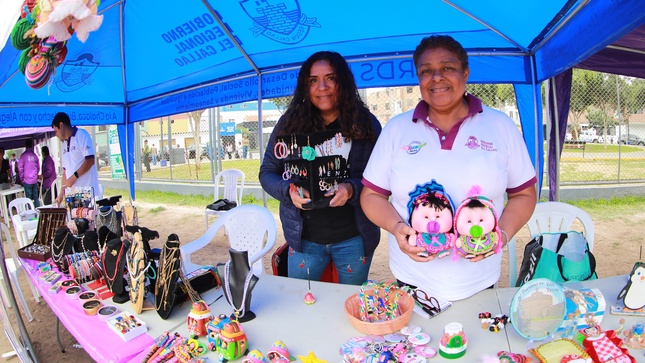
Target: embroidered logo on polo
x=413 y=148
x=473 y=144
x=76 y=73
x=281 y=21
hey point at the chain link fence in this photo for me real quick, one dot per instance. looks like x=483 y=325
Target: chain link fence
x=605 y=140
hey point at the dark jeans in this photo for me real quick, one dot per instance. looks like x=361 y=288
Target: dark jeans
x=47 y=196
x=31 y=192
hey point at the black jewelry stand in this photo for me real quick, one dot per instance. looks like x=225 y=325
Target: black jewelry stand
x=238 y=272
x=114 y=263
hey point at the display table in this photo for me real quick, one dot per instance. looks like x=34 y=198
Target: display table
x=94 y=335
x=16 y=190
x=323 y=327
x=610 y=287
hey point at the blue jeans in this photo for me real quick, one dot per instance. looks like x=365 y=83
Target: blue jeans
x=348 y=256
x=31 y=192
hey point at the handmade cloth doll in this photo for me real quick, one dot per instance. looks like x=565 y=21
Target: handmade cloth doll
x=431 y=211
x=476 y=225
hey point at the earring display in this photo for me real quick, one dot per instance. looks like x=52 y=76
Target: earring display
x=316 y=163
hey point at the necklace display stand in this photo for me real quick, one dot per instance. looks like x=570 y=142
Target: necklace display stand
x=62 y=245
x=113 y=261
x=137 y=266
x=167 y=276
x=239 y=282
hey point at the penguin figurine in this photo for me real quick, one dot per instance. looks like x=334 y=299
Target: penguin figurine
x=633 y=294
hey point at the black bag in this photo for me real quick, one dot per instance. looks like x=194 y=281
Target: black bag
x=559 y=257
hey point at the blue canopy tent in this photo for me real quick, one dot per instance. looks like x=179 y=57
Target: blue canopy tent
x=151 y=60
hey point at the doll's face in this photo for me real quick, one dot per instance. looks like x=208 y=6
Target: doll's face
x=482 y=219
x=426 y=218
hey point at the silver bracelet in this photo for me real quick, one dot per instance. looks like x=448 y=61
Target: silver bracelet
x=505 y=235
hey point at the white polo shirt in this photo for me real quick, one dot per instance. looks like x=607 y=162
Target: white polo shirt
x=486 y=149
x=75 y=150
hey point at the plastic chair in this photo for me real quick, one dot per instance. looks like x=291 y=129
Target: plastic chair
x=16 y=207
x=551 y=217
x=55 y=188
x=249 y=228
x=232 y=180
x=14 y=267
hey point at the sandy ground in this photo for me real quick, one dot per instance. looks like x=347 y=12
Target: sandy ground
x=614 y=256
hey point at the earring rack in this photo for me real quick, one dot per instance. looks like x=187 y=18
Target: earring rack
x=316 y=162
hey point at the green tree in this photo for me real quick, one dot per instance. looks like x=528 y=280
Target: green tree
x=282 y=103
x=194 y=122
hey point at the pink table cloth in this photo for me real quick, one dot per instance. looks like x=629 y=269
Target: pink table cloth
x=94 y=335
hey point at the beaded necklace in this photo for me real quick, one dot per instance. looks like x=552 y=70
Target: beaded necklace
x=107 y=219
x=238 y=312
x=58 y=257
x=136 y=255
x=111 y=279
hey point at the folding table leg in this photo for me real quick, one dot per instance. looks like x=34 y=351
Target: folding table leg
x=60 y=345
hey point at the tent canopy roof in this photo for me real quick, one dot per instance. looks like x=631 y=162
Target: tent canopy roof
x=148 y=61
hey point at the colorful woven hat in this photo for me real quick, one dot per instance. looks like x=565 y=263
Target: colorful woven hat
x=18 y=39
x=38 y=72
x=25 y=56
x=254 y=356
x=432 y=189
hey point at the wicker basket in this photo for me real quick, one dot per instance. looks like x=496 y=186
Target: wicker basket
x=352 y=309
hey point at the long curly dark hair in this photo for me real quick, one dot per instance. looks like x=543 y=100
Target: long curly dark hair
x=302 y=117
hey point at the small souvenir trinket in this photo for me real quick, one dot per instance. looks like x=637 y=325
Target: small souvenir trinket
x=419 y=338
x=410 y=329
x=55 y=288
x=311 y=358
x=309 y=297
x=107 y=311
x=453 y=342
x=214 y=329
x=73 y=292
x=91 y=307
x=279 y=353
x=198 y=319
x=232 y=342
x=255 y=356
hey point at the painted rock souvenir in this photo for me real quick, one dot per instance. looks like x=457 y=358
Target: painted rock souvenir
x=198 y=319
x=37 y=72
x=232 y=343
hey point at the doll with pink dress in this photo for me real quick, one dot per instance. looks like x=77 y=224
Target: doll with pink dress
x=431 y=211
x=476 y=225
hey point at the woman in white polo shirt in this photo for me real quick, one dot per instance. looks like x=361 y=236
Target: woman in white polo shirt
x=452 y=138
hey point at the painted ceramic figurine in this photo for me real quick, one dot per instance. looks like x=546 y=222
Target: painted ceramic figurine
x=214 y=329
x=431 y=211
x=476 y=225
x=279 y=353
x=232 y=342
x=198 y=319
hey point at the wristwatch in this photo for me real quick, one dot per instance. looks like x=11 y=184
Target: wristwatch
x=76 y=174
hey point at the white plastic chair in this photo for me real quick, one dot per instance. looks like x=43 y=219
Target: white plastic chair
x=14 y=267
x=249 y=228
x=551 y=217
x=16 y=207
x=232 y=181
x=55 y=189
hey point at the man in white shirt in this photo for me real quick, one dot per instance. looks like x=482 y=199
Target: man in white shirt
x=79 y=168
